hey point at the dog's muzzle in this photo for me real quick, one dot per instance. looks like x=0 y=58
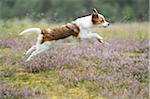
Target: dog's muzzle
x=106 y=24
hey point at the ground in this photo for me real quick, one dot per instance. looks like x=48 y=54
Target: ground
x=75 y=70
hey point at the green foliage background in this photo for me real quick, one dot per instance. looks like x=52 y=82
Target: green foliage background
x=67 y=10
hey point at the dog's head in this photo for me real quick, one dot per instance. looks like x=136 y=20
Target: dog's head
x=98 y=19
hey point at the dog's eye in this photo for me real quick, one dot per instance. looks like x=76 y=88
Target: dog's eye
x=102 y=20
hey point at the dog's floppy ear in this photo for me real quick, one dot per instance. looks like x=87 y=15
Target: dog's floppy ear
x=94 y=13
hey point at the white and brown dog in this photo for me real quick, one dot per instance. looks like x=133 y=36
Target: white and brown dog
x=80 y=28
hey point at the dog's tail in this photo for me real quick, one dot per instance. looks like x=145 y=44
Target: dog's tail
x=31 y=30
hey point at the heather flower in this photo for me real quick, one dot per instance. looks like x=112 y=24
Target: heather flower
x=13 y=93
x=113 y=68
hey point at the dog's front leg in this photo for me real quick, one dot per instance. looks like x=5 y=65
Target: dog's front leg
x=92 y=35
x=98 y=37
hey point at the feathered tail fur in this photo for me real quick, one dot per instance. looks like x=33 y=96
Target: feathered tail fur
x=31 y=30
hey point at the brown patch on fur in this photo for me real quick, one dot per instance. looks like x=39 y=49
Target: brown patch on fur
x=61 y=32
x=97 y=19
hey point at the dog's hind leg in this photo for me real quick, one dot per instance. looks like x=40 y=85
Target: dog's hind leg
x=41 y=48
x=30 y=50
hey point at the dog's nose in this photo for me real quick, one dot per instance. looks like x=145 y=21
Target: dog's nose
x=108 y=24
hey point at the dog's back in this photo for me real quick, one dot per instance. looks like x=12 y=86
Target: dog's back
x=61 y=32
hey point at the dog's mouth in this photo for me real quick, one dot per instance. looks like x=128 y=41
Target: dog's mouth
x=105 y=26
x=102 y=26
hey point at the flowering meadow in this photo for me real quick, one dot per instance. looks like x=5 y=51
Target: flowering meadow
x=87 y=69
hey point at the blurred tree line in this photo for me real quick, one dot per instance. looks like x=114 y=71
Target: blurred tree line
x=67 y=10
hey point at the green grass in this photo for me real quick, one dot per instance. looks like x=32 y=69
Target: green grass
x=126 y=30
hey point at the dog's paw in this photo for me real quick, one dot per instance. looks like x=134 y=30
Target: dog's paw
x=27 y=60
x=24 y=54
x=100 y=40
